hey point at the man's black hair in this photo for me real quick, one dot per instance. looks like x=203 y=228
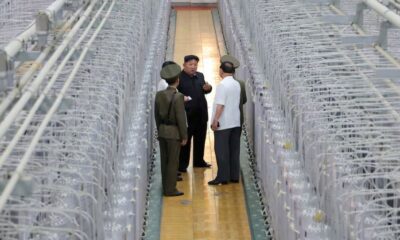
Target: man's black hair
x=171 y=80
x=166 y=63
x=227 y=67
x=190 y=58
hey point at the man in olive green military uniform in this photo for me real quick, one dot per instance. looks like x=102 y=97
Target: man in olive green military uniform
x=243 y=96
x=171 y=126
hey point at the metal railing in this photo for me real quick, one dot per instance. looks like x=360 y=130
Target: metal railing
x=76 y=129
x=325 y=115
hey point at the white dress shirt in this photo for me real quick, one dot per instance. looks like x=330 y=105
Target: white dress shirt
x=228 y=95
x=162 y=85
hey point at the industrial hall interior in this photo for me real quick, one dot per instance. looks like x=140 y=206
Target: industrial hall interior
x=199 y=119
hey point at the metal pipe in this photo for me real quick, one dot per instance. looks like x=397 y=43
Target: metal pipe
x=48 y=87
x=360 y=31
x=19 y=171
x=384 y=11
x=16 y=44
x=9 y=119
x=381 y=50
x=396 y=115
x=5 y=103
x=52 y=10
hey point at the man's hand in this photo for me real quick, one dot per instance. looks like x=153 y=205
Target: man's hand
x=214 y=125
x=184 y=141
x=207 y=87
x=187 y=98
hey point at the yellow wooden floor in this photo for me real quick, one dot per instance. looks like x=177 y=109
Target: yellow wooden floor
x=204 y=212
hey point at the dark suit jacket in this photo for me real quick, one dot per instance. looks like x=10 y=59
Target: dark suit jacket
x=193 y=87
x=178 y=129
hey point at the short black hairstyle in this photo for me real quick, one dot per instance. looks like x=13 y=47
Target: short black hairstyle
x=171 y=80
x=227 y=67
x=166 y=63
x=190 y=58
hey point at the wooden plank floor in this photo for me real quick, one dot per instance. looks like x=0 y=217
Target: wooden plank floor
x=204 y=212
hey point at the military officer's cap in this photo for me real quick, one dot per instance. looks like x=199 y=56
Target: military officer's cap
x=231 y=59
x=170 y=71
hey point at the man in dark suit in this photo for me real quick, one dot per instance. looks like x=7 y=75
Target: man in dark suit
x=171 y=126
x=194 y=87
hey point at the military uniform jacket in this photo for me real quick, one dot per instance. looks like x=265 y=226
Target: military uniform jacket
x=173 y=126
x=243 y=99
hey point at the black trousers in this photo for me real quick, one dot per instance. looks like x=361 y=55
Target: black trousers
x=227 y=152
x=197 y=129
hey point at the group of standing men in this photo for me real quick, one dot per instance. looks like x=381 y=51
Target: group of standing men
x=181 y=113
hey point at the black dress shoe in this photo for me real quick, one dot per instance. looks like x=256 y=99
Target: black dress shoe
x=203 y=165
x=174 y=194
x=216 y=182
x=234 y=181
x=179 y=179
x=179 y=174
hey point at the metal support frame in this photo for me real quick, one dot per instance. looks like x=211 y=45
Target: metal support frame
x=6 y=71
x=350 y=62
x=42 y=28
x=381 y=43
x=383 y=34
x=16 y=51
x=82 y=114
x=48 y=20
x=359 y=17
x=336 y=3
x=384 y=11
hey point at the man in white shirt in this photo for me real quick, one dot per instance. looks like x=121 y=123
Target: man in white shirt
x=162 y=84
x=226 y=126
